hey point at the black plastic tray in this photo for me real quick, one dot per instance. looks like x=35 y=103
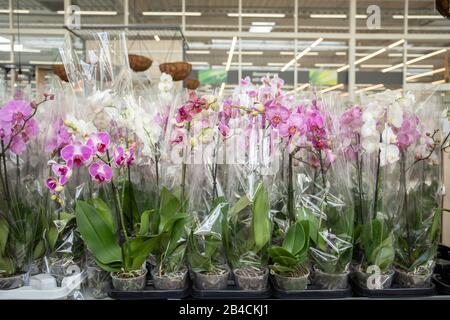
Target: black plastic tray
x=231 y=292
x=150 y=293
x=443 y=252
x=311 y=293
x=442 y=287
x=360 y=291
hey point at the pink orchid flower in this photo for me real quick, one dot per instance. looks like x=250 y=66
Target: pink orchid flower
x=178 y=137
x=100 y=171
x=98 y=142
x=16 y=111
x=59 y=136
x=293 y=125
x=277 y=114
x=122 y=157
x=224 y=129
x=64 y=172
x=77 y=153
x=51 y=183
x=183 y=115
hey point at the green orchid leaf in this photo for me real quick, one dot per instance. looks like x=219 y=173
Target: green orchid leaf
x=261 y=222
x=169 y=206
x=4 y=233
x=97 y=234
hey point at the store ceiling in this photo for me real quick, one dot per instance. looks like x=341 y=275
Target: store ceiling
x=270 y=53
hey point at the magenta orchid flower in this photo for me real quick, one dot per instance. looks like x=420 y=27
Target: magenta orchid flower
x=276 y=114
x=59 y=136
x=123 y=157
x=98 y=142
x=100 y=171
x=183 y=115
x=178 y=137
x=16 y=111
x=52 y=184
x=224 y=129
x=77 y=153
x=62 y=171
x=293 y=125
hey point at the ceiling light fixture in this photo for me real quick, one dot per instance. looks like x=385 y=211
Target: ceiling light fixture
x=373 y=54
x=325 y=65
x=171 y=13
x=230 y=53
x=257 y=15
x=338 y=86
x=375 y=66
x=222 y=88
x=327 y=16
x=91 y=13
x=238 y=64
x=439 y=82
x=301 y=54
x=426 y=56
x=198 y=51
x=291 y=53
x=199 y=63
x=15 y=11
x=418 y=16
x=250 y=53
x=377 y=86
x=425 y=74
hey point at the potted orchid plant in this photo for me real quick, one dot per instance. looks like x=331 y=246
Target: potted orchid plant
x=193 y=145
x=171 y=227
x=22 y=214
x=417 y=217
x=247 y=234
x=290 y=268
x=249 y=148
x=365 y=133
x=107 y=236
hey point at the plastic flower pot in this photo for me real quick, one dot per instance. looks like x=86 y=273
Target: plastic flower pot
x=330 y=281
x=62 y=267
x=291 y=283
x=411 y=279
x=11 y=282
x=211 y=281
x=250 y=280
x=98 y=282
x=363 y=277
x=170 y=281
x=122 y=283
x=36 y=267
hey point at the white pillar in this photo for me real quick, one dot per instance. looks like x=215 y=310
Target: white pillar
x=405 y=44
x=126 y=12
x=240 y=43
x=295 y=41
x=352 y=50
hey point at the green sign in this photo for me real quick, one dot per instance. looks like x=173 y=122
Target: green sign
x=212 y=76
x=319 y=77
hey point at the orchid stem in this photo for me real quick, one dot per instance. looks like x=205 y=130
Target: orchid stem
x=8 y=194
x=117 y=205
x=291 y=190
x=377 y=182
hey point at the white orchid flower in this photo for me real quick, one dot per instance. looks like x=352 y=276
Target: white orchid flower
x=388 y=154
x=370 y=144
x=388 y=136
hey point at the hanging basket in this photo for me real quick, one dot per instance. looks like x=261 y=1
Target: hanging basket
x=178 y=70
x=192 y=84
x=60 y=71
x=443 y=6
x=139 y=63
